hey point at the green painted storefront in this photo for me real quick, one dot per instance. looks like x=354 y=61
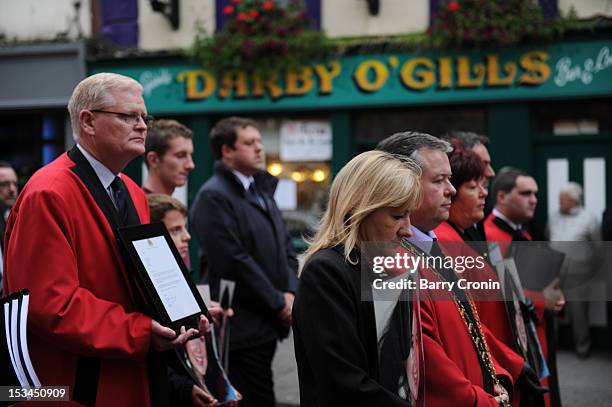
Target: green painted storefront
x=511 y=89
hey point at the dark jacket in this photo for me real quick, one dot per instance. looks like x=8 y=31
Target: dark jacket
x=335 y=338
x=244 y=243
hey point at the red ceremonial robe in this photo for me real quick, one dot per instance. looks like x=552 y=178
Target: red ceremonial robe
x=492 y=311
x=453 y=375
x=494 y=233
x=61 y=247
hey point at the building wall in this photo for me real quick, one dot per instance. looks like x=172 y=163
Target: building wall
x=350 y=18
x=587 y=8
x=157 y=34
x=36 y=20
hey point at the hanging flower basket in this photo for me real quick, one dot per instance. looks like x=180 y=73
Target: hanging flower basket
x=494 y=22
x=261 y=35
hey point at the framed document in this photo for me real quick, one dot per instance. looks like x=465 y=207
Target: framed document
x=162 y=277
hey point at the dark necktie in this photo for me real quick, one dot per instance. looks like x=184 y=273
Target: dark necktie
x=120 y=193
x=436 y=251
x=257 y=196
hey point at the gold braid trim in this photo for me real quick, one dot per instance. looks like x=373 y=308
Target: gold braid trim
x=475 y=332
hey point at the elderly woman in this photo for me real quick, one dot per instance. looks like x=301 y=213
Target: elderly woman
x=337 y=343
x=467 y=208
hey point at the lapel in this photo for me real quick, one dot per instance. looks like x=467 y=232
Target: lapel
x=86 y=173
x=517 y=235
x=253 y=200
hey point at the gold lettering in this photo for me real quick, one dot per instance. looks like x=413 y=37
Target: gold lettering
x=235 y=80
x=421 y=79
x=464 y=73
x=445 y=71
x=263 y=80
x=326 y=76
x=536 y=69
x=193 y=79
x=299 y=83
x=381 y=73
x=493 y=78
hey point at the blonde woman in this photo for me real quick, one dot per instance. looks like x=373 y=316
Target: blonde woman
x=338 y=347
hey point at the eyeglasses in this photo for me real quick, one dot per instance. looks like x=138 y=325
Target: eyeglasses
x=130 y=118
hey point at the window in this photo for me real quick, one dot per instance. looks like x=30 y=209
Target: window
x=312 y=6
x=371 y=126
x=549 y=8
x=303 y=170
x=573 y=118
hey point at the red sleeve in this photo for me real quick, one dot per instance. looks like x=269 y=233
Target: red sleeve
x=42 y=257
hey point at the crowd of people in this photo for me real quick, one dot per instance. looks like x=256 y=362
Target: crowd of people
x=425 y=195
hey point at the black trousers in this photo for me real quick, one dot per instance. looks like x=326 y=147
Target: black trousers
x=250 y=371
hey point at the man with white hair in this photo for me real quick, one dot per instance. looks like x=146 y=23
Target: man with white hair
x=579 y=231
x=86 y=329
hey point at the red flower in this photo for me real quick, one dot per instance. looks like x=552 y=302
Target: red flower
x=268 y=5
x=453 y=6
x=227 y=10
x=243 y=17
x=254 y=13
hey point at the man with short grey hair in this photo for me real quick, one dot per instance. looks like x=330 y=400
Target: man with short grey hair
x=455 y=371
x=86 y=325
x=578 y=230
x=478 y=143
x=430 y=153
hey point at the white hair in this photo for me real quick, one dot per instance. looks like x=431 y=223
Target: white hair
x=574 y=190
x=93 y=92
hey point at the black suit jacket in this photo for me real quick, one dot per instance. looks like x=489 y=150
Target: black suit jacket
x=244 y=243
x=339 y=359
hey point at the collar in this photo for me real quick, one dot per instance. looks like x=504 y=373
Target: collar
x=422 y=240
x=505 y=219
x=105 y=175
x=244 y=180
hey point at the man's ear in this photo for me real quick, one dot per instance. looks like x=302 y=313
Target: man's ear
x=226 y=151
x=86 y=119
x=152 y=158
x=501 y=197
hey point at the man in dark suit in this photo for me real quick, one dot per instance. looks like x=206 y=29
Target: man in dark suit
x=243 y=239
x=8 y=195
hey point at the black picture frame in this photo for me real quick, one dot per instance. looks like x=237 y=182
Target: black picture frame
x=130 y=234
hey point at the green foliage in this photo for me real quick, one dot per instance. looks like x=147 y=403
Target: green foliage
x=261 y=35
x=494 y=22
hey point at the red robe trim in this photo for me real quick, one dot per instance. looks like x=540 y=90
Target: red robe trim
x=453 y=376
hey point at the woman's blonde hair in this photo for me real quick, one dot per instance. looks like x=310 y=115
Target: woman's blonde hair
x=370 y=181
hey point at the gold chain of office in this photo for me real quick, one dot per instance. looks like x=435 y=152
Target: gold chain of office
x=474 y=330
